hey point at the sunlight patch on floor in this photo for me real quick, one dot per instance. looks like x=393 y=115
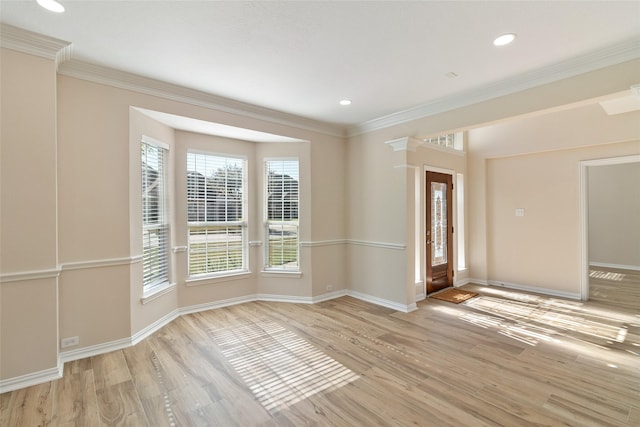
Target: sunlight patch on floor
x=551 y=314
x=278 y=366
x=598 y=332
x=606 y=275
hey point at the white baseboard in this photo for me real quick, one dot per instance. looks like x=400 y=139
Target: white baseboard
x=420 y=291
x=216 y=304
x=34 y=378
x=519 y=287
x=405 y=308
x=95 y=350
x=329 y=296
x=468 y=280
x=617 y=266
x=155 y=326
x=533 y=289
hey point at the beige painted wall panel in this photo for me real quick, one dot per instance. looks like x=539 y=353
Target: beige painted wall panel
x=377 y=206
x=378 y=272
x=328 y=190
x=28 y=214
x=542 y=248
x=93 y=156
x=476 y=188
x=28 y=163
x=28 y=327
x=329 y=268
x=614 y=214
x=376 y=195
x=94 y=305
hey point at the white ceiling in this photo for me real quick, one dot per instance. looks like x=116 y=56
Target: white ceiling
x=303 y=57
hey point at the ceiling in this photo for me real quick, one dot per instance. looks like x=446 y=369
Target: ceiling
x=302 y=57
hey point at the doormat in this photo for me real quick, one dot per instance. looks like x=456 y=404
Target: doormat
x=455 y=296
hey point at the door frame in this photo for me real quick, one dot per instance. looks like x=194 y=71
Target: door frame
x=423 y=221
x=584 y=214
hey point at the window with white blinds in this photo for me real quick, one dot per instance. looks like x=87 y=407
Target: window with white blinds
x=155 y=223
x=216 y=189
x=281 y=211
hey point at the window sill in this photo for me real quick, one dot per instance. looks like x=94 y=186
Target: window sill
x=157 y=292
x=210 y=279
x=281 y=273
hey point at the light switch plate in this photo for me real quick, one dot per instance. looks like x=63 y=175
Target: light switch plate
x=519 y=211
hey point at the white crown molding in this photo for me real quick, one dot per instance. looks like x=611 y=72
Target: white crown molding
x=601 y=58
x=24 y=41
x=404 y=144
x=124 y=80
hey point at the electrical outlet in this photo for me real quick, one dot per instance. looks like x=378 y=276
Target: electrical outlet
x=329 y=287
x=69 y=342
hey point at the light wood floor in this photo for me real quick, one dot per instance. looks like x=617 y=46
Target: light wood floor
x=502 y=358
x=615 y=286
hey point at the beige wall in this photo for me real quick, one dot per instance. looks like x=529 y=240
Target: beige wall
x=541 y=249
x=28 y=217
x=377 y=219
x=614 y=215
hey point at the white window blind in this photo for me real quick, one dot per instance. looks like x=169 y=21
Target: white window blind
x=155 y=224
x=282 y=224
x=216 y=214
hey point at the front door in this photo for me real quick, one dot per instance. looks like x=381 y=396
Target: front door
x=439 y=232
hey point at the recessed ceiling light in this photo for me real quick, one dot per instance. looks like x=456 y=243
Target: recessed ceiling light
x=504 y=39
x=51 y=5
x=345 y=102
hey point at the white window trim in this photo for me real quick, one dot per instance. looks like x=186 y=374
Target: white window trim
x=154 y=290
x=276 y=271
x=209 y=277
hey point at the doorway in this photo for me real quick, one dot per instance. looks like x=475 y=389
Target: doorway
x=619 y=226
x=439 y=231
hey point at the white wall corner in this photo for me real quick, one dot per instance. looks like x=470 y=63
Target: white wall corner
x=404 y=144
x=24 y=41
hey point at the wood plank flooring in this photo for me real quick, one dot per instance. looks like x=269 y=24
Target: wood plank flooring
x=503 y=358
x=615 y=286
